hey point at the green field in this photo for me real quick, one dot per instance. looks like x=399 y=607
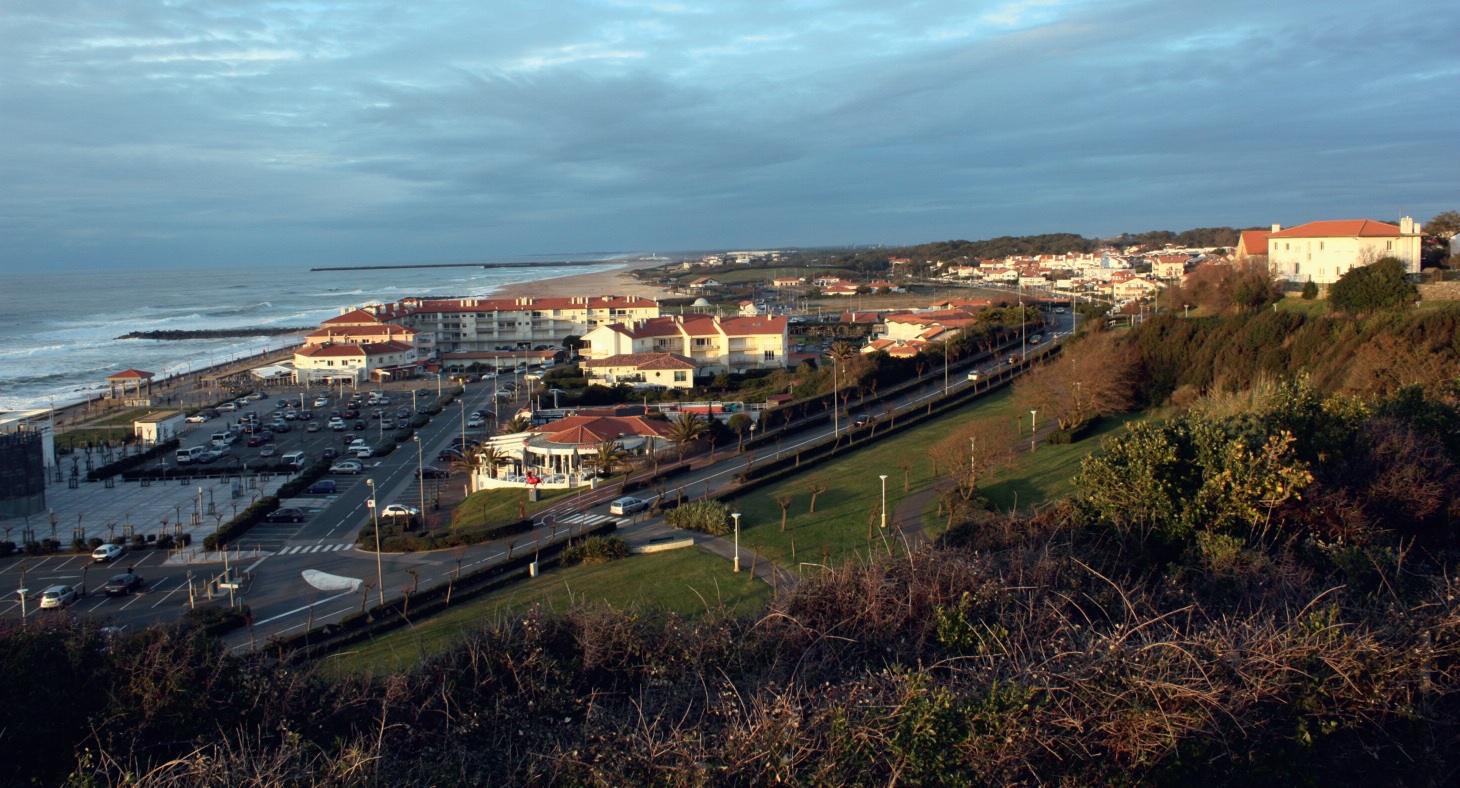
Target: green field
x=687 y=582
x=842 y=520
x=1045 y=475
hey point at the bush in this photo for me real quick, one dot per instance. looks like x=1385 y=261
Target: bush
x=711 y=517
x=1367 y=288
x=139 y=541
x=1310 y=290
x=216 y=620
x=596 y=550
x=164 y=449
x=7 y=549
x=78 y=545
x=1060 y=438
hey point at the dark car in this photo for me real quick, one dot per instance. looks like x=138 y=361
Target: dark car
x=122 y=584
x=352 y=413
x=288 y=514
x=255 y=442
x=359 y=425
x=323 y=487
x=330 y=453
x=447 y=455
x=432 y=472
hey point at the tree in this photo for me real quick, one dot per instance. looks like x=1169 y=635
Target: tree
x=606 y=456
x=685 y=429
x=518 y=423
x=1093 y=377
x=1445 y=225
x=1369 y=288
x=738 y=424
x=785 y=503
x=815 y=488
x=1310 y=290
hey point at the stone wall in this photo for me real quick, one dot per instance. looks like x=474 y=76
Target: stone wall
x=1440 y=291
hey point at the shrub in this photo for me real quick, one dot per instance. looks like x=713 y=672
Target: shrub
x=596 y=550
x=1380 y=285
x=139 y=541
x=1310 y=290
x=7 y=549
x=78 y=545
x=94 y=542
x=216 y=620
x=711 y=517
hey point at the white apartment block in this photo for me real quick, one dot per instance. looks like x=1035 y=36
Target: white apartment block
x=485 y=324
x=712 y=343
x=1321 y=252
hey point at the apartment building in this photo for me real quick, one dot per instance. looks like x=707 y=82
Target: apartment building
x=1322 y=252
x=486 y=324
x=712 y=343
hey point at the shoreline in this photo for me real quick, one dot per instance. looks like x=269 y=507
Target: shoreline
x=616 y=281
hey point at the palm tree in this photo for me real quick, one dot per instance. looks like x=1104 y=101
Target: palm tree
x=608 y=455
x=684 y=429
x=519 y=423
x=492 y=458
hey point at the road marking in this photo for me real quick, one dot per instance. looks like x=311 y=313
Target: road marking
x=301 y=609
x=324 y=548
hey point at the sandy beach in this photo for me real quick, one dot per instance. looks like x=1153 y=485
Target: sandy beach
x=619 y=281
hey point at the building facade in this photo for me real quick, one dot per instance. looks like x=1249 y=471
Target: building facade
x=1321 y=252
x=713 y=344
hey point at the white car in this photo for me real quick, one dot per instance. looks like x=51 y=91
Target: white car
x=57 y=596
x=228 y=406
x=399 y=510
x=363 y=452
x=347 y=466
x=475 y=422
x=107 y=553
x=627 y=505
x=322 y=402
x=197 y=418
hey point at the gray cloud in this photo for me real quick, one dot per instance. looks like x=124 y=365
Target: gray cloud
x=367 y=131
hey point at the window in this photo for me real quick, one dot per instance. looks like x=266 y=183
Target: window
x=1320 y=246
x=770 y=355
x=679 y=376
x=1389 y=245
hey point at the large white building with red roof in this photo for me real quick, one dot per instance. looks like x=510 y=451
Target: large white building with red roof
x=504 y=323
x=1323 y=251
x=357 y=363
x=712 y=343
x=666 y=370
x=557 y=454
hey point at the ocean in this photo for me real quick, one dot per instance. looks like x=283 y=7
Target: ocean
x=59 y=335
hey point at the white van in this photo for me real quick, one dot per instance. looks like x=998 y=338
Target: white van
x=221 y=439
x=294 y=459
x=185 y=456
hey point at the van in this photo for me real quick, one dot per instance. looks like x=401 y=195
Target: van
x=185 y=456
x=294 y=459
x=221 y=439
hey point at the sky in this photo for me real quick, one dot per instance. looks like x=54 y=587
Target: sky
x=182 y=133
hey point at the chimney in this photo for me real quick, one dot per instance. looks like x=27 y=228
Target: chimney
x=1407 y=226
x=1277 y=228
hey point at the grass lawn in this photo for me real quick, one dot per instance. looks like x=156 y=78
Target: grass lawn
x=75 y=439
x=683 y=581
x=1045 y=475
x=126 y=417
x=1313 y=308
x=491 y=508
x=840 y=525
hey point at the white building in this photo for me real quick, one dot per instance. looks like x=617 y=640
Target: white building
x=1321 y=252
x=713 y=344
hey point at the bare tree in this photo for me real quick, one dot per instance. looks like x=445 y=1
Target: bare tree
x=785 y=503
x=815 y=488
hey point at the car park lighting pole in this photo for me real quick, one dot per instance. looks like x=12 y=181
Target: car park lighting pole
x=421 y=477
x=736 y=515
x=1033 y=427
x=375 y=519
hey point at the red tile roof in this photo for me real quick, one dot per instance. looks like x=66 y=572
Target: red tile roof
x=593 y=430
x=130 y=374
x=521 y=304
x=1344 y=228
x=649 y=361
x=354 y=317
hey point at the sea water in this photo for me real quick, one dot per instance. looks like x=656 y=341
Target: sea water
x=59 y=331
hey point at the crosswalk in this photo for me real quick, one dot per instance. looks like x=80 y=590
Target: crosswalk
x=584 y=519
x=315 y=548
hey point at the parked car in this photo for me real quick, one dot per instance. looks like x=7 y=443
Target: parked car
x=323 y=487
x=364 y=452
x=449 y=455
x=255 y=442
x=387 y=424
x=433 y=472
x=287 y=514
x=347 y=466
x=329 y=453
x=107 y=553
x=322 y=402
x=313 y=427
x=197 y=418
x=359 y=424
x=57 y=597
x=122 y=584
x=228 y=407
x=627 y=505
x=268 y=451
x=399 y=510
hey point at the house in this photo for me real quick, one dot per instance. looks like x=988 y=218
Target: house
x=703 y=283
x=783 y=282
x=713 y=343
x=749 y=309
x=559 y=454
x=154 y=428
x=356 y=363
x=1323 y=251
x=1168 y=266
x=1131 y=288
x=1252 y=243
x=840 y=289
x=669 y=370
x=884 y=286
x=828 y=281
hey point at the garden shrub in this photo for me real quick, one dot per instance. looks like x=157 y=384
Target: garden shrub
x=711 y=517
x=596 y=550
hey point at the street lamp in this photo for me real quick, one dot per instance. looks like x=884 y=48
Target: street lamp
x=1186 y=310
x=736 y=515
x=1033 y=428
x=375 y=519
x=421 y=477
x=883 y=477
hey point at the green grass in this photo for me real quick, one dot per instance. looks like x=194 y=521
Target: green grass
x=75 y=439
x=1046 y=474
x=491 y=508
x=686 y=582
x=840 y=524
x=126 y=417
x=1313 y=308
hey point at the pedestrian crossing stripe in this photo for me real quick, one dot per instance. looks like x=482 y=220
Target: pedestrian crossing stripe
x=315 y=548
x=588 y=519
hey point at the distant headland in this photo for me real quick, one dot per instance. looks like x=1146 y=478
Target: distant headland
x=463 y=265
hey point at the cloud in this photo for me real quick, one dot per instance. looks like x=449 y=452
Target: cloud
x=373 y=130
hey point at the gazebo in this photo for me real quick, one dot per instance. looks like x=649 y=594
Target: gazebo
x=136 y=379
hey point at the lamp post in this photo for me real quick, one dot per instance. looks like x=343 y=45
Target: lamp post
x=1186 y=310
x=836 y=429
x=1033 y=428
x=736 y=515
x=883 y=477
x=945 y=367
x=438 y=385
x=462 y=403
x=21 y=592
x=421 y=477
x=375 y=520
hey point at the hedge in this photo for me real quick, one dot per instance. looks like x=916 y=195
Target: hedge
x=127 y=463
